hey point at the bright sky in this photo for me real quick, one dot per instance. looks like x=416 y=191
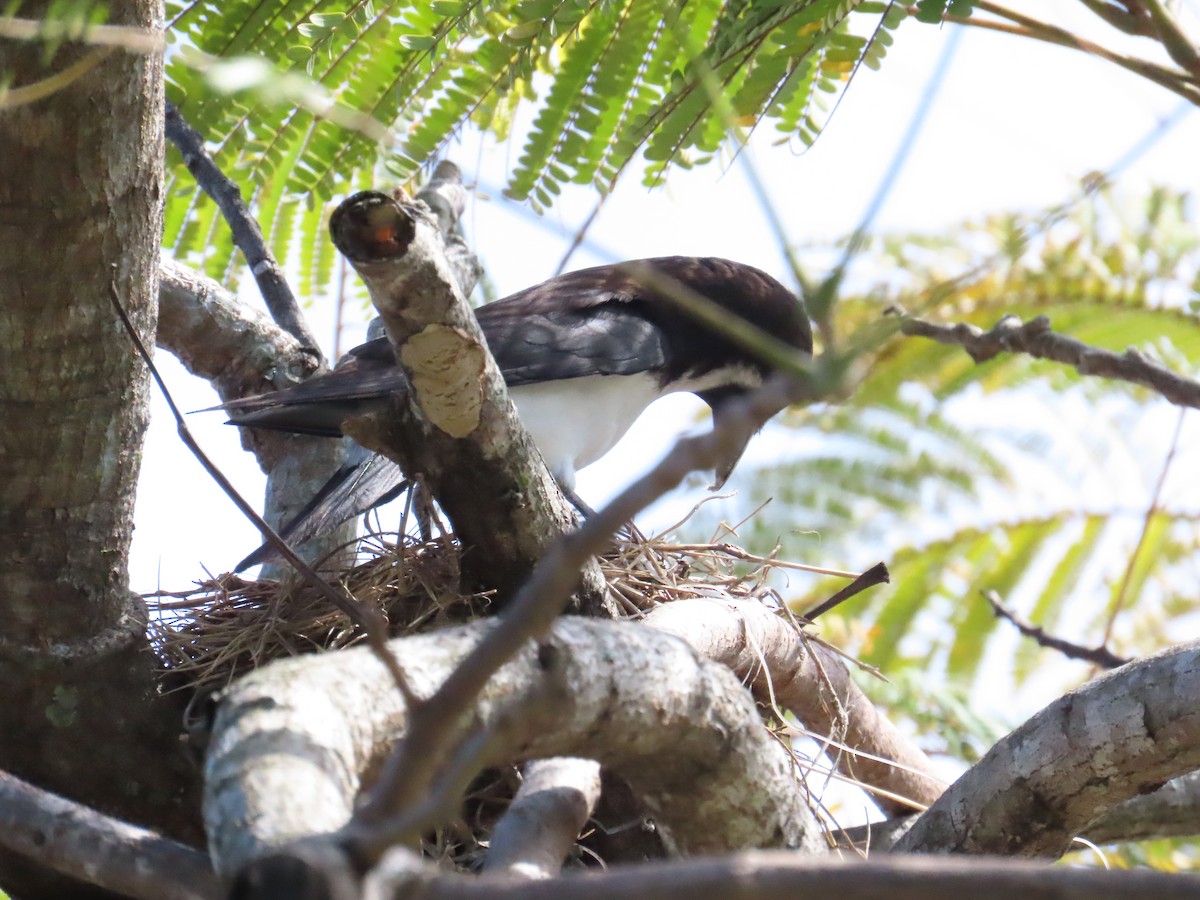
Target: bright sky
x=1015 y=126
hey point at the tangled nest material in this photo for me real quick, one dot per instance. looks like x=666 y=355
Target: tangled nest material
x=226 y=626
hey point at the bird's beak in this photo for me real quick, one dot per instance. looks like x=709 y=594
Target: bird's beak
x=719 y=401
x=730 y=460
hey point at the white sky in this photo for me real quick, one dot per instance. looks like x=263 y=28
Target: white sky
x=1015 y=126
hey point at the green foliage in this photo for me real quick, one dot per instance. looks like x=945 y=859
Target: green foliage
x=917 y=469
x=942 y=714
x=299 y=100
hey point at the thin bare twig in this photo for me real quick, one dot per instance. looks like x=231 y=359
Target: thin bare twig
x=1100 y=656
x=1035 y=338
x=248 y=237
x=1147 y=520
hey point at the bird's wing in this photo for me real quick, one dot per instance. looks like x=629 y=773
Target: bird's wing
x=533 y=337
x=320 y=405
x=608 y=338
x=366 y=481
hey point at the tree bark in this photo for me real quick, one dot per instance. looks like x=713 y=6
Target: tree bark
x=456 y=429
x=1123 y=734
x=241 y=352
x=293 y=740
x=778 y=875
x=80 y=195
x=783 y=667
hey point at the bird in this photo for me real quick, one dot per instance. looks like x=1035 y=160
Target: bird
x=583 y=354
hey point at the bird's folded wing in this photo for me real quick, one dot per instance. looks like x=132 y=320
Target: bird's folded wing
x=366 y=481
x=607 y=339
x=599 y=332
x=320 y=405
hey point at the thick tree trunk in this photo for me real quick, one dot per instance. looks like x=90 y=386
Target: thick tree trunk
x=80 y=210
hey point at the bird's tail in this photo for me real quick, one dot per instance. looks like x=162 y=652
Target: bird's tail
x=366 y=481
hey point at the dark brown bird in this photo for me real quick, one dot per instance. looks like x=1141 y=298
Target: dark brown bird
x=583 y=355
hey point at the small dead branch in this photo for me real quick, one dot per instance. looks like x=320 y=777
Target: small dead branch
x=1100 y=656
x=246 y=234
x=1035 y=338
x=877 y=574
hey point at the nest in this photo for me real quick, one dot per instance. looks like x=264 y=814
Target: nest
x=226 y=626
x=223 y=627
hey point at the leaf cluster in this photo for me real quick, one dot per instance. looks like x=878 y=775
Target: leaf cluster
x=302 y=102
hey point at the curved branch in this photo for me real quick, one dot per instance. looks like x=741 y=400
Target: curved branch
x=292 y=741
x=1125 y=733
x=804 y=678
x=241 y=352
x=222 y=340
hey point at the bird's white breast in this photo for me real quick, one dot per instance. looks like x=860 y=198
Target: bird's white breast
x=576 y=421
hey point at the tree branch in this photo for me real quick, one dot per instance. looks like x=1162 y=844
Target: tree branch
x=280 y=301
x=1100 y=656
x=1035 y=338
x=541 y=825
x=292 y=741
x=802 y=677
x=1171 y=811
x=766 y=874
x=241 y=352
x=100 y=850
x=456 y=429
x=1125 y=733
x=1177 y=44
x=1033 y=29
